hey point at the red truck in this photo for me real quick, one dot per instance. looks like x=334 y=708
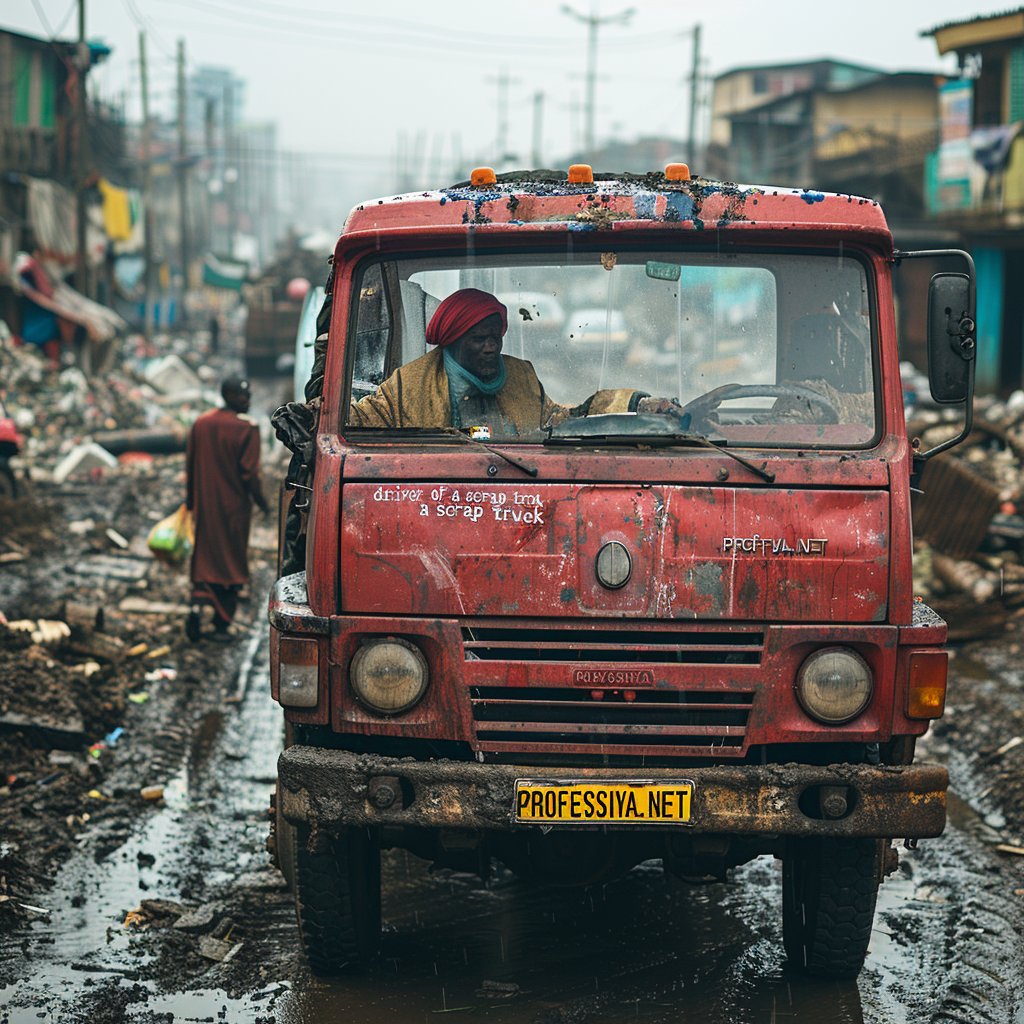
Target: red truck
x=680 y=630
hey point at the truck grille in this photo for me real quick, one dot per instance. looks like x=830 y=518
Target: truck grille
x=676 y=647
x=552 y=719
x=590 y=718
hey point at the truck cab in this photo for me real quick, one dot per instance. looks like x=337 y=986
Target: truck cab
x=660 y=608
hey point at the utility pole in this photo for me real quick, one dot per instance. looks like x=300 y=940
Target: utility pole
x=147 y=192
x=502 y=114
x=691 y=143
x=593 y=21
x=183 y=170
x=230 y=177
x=503 y=81
x=209 y=116
x=538 y=129
x=81 y=159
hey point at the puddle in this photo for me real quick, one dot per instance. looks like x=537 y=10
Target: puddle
x=84 y=942
x=645 y=948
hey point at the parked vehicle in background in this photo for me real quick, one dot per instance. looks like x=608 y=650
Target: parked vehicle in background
x=597 y=327
x=686 y=634
x=305 y=340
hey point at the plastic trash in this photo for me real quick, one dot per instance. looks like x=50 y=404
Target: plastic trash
x=171 y=540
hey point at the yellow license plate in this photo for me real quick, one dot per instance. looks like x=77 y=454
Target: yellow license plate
x=540 y=802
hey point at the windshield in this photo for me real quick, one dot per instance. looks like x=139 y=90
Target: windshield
x=757 y=349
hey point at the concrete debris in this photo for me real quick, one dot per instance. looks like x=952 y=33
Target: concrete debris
x=200 y=919
x=171 y=375
x=218 y=949
x=83 y=460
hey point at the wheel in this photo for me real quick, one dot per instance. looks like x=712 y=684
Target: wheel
x=284 y=840
x=701 y=407
x=829 y=888
x=284 y=831
x=337 y=896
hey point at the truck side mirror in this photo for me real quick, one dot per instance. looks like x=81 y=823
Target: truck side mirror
x=951 y=344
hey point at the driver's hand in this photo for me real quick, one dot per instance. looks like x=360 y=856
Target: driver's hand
x=659 y=406
x=665 y=407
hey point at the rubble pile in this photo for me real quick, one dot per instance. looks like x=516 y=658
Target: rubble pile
x=91 y=636
x=159 y=387
x=93 y=655
x=968 y=526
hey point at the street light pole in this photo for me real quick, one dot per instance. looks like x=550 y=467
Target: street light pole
x=594 y=21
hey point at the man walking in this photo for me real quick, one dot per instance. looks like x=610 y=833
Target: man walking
x=223 y=480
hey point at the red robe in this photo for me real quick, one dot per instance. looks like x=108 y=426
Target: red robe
x=222 y=462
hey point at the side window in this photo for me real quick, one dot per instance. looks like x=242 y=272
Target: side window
x=373 y=334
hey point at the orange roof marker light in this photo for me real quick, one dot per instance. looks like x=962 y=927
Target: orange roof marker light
x=483 y=176
x=677 y=172
x=581 y=174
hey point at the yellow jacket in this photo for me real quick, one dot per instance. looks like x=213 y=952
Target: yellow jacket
x=416 y=396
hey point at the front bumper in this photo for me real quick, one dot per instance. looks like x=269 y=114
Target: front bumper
x=332 y=789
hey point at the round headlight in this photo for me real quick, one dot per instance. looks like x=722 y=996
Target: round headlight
x=389 y=676
x=834 y=685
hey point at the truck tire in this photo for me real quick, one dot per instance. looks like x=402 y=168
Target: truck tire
x=337 y=897
x=829 y=888
x=284 y=841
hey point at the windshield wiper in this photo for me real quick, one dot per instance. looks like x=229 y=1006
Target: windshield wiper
x=764 y=473
x=659 y=441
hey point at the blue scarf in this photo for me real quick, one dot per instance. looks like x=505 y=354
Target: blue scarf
x=455 y=369
x=460 y=381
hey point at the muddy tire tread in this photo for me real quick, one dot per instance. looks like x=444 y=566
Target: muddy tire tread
x=838 y=892
x=337 y=895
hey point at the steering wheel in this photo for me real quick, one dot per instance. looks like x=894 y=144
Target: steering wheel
x=702 y=406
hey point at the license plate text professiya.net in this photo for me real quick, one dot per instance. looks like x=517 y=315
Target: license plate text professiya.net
x=543 y=802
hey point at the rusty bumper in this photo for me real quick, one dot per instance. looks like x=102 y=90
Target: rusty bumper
x=331 y=789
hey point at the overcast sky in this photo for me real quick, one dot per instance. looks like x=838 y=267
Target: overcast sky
x=352 y=78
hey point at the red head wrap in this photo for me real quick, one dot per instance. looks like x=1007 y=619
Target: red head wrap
x=461 y=311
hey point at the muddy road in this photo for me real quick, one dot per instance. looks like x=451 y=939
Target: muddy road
x=152 y=892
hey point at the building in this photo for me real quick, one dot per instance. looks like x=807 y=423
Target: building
x=974 y=179
x=745 y=89
x=44 y=160
x=827 y=125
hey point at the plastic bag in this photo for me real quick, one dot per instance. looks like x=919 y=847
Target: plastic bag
x=172 y=539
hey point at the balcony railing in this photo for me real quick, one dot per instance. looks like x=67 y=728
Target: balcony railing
x=26 y=150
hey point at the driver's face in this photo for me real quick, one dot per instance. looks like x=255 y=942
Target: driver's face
x=479 y=349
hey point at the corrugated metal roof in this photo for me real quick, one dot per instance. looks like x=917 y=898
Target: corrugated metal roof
x=971 y=21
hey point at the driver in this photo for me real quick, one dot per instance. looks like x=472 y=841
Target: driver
x=466 y=380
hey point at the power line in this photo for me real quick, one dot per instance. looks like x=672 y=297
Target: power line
x=408 y=34
x=143 y=25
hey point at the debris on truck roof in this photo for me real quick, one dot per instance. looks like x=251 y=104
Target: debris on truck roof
x=598 y=201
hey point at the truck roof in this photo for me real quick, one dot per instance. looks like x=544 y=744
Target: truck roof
x=525 y=201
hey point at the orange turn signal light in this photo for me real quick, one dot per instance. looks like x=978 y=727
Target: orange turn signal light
x=580 y=174
x=677 y=172
x=926 y=697
x=483 y=176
